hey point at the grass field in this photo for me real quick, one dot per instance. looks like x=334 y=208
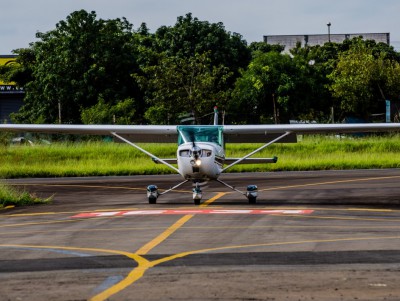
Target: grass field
x=10 y=196
x=107 y=158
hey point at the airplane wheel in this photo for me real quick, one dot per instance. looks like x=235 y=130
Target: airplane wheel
x=196 y=201
x=252 y=200
x=152 y=194
x=252 y=193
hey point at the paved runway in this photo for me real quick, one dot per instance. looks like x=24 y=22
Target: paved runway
x=331 y=235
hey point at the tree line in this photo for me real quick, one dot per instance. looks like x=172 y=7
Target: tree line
x=94 y=71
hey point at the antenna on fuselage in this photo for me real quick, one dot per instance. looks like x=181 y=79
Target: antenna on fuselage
x=215 y=115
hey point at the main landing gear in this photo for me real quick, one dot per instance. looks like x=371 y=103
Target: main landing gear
x=152 y=194
x=251 y=192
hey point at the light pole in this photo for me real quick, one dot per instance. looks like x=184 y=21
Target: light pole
x=329 y=31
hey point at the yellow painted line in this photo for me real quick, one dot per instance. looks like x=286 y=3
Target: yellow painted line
x=326 y=209
x=330 y=182
x=56 y=221
x=96 y=250
x=24 y=232
x=371 y=210
x=183 y=254
x=341 y=218
x=42 y=223
x=90 y=186
x=139 y=271
x=7 y=207
x=76 y=185
x=42 y=213
x=32 y=214
x=163 y=236
x=134 y=275
x=208 y=202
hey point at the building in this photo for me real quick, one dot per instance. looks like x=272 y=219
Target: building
x=290 y=41
x=11 y=96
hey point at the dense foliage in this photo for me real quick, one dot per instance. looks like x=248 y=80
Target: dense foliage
x=89 y=70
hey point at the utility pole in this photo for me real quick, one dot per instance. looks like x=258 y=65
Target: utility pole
x=275 y=114
x=329 y=31
x=59 y=112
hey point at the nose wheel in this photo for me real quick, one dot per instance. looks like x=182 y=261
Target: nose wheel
x=197 y=194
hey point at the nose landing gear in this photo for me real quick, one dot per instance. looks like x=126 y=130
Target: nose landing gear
x=197 y=194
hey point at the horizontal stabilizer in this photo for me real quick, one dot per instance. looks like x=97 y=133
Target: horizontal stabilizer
x=170 y=161
x=249 y=137
x=251 y=160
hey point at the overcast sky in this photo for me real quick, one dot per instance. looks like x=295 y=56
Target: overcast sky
x=21 y=19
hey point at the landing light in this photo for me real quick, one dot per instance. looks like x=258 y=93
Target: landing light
x=196 y=162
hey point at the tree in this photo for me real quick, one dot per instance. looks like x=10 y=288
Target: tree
x=265 y=47
x=323 y=60
x=190 y=36
x=177 y=85
x=105 y=113
x=19 y=72
x=361 y=80
x=80 y=62
x=264 y=92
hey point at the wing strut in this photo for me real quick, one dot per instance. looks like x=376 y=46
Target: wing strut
x=172 y=188
x=229 y=186
x=146 y=152
x=257 y=150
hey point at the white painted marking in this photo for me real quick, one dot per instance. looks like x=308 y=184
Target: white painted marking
x=378 y=284
x=184 y=212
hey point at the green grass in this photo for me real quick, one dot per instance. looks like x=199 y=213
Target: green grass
x=11 y=196
x=324 y=153
x=101 y=158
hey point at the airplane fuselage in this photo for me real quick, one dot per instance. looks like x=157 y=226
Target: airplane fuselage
x=200 y=162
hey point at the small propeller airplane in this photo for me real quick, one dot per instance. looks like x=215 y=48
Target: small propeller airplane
x=200 y=155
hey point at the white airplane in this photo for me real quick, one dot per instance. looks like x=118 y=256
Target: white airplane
x=201 y=156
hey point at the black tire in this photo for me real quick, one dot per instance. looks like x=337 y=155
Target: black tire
x=252 y=200
x=196 y=201
x=152 y=200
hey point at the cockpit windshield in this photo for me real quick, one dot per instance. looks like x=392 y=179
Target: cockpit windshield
x=204 y=133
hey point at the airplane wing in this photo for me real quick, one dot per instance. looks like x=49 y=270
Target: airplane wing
x=267 y=132
x=137 y=133
x=232 y=133
x=310 y=128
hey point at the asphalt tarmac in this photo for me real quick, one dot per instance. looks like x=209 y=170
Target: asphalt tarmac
x=330 y=235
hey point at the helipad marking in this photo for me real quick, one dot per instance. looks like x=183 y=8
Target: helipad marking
x=194 y=211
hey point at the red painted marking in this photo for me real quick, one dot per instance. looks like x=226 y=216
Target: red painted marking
x=184 y=212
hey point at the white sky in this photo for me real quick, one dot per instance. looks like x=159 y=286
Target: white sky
x=21 y=19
